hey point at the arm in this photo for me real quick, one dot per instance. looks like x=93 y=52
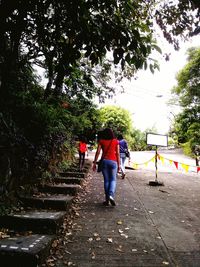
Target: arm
x=118 y=158
x=96 y=157
x=87 y=150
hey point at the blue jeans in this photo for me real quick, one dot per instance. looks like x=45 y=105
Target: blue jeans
x=109 y=171
x=122 y=162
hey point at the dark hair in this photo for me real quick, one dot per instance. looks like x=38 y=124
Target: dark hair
x=107 y=134
x=83 y=139
x=120 y=137
x=99 y=135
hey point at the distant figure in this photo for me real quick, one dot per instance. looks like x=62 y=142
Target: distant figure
x=110 y=163
x=82 y=149
x=124 y=153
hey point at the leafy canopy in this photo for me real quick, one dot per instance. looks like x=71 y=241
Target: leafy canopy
x=57 y=34
x=187 y=123
x=117 y=118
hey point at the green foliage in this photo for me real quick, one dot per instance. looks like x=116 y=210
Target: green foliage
x=60 y=35
x=178 y=18
x=138 y=140
x=120 y=121
x=188 y=88
x=186 y=125
x=193 y=135
x=37 y=134
x=187 y=149
x=117 y=118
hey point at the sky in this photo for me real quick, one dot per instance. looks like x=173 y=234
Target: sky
x=146 y=97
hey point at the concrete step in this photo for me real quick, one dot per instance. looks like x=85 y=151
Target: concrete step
x=48 y=201
x=68 y=189
x=76 y=169
x=45 y=222
x=72 y=174
x=68 y=180
x=25 y=251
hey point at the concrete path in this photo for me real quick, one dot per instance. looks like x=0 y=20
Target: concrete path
x=150 y=226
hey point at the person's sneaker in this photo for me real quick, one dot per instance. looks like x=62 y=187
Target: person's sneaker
x=123 y=175
x=112 y=201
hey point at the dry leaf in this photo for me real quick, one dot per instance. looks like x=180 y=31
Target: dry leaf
x=165 y=262
x=55 y=244
x=66 y=251
x=69 y=233
x=95 y=234
x=119 y=222
x=93 y=255
x=134 y=249
x=126 y=236
x=3 y=235
x=119 y=249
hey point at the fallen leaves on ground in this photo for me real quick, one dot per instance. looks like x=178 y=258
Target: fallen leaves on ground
x=93 y=255
x=119 y=248
x=4 y=235
x=151 y=212
x=134 y=249
x=165 y=262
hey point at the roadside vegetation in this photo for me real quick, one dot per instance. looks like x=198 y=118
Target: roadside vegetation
x=186 y=127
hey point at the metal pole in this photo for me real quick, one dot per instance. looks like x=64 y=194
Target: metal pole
x=156 y=165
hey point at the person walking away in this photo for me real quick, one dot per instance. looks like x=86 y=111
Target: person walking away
x=82 y=149
x=124 y=153
x=109 y=146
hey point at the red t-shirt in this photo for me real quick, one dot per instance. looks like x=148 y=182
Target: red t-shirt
x=82 y=147
x=109 y=148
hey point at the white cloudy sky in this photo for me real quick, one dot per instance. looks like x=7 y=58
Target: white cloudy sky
x=142 y=95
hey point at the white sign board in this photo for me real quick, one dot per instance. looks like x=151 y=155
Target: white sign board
x=157 y=139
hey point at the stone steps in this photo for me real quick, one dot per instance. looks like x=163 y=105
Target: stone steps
x=50 y=201
x=25 y=251
x=73 y=174
x=68 y=189
x=68 y=180
x=45 y=222
x=53 y=200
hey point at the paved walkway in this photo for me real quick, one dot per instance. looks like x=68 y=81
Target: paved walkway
x=150 y=226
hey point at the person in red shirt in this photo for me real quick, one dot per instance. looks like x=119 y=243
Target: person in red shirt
x=82 y=148
x=109 y=146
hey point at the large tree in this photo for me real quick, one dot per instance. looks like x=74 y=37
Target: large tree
x=119 y=119
x=57 y=34
x=187 y=123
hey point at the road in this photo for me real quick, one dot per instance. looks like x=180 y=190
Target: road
x=151 y=226
x=143 y=161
